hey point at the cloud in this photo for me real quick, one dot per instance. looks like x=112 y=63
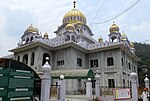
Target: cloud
x=143 y=27
x=46 y=15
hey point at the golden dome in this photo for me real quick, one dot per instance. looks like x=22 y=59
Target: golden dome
x=114 y=28
x=123 y=36
x=100 y=39
x=74 y=16
x=31 y=29
x=69 y=27
x=46 y=36
x=131 y=44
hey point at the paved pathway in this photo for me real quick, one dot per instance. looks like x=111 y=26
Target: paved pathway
x=83 y=98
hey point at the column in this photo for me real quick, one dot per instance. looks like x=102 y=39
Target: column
x=133 y=77
x=97 y=84
x=89 y=89
x=46 y=81
x=62 y=88
x=146 y=80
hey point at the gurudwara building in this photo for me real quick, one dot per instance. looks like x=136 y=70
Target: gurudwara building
x=74 y=51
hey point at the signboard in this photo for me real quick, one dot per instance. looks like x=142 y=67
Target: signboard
x=120 y=94
x=4 y=73
x=16 y=85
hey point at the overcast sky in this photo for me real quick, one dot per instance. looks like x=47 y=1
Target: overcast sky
x=46 y=15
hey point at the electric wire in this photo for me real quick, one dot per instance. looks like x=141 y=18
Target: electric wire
x=119 y=14
x=97 y=12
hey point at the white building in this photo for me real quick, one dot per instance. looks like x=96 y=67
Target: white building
x=74 y=51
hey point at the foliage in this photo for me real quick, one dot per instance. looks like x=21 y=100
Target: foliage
x=143 y=52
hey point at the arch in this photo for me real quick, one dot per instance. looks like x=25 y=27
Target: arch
x=31 y=38
x=23 y=41
x=18 y=58
x=27 y=40
x=73 y=38
x=32 y=58
x=67 y=38
x=44 y=58
x=25 y=59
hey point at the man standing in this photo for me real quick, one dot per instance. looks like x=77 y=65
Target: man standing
x=145 y=94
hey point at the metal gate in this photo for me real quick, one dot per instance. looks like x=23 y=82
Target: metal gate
x=16 y=85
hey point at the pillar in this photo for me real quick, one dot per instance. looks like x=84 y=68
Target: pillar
x=89 y=89
x=46 y=81
x=97 y=84
x=133 y=77
x=62 y=88
x=146 y=80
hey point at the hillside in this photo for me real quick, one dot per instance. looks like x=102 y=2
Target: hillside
x=143 y=52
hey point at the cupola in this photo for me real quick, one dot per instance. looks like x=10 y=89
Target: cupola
x=74 y=16
x=114 y=28
x=46 y=36
x=31 y=29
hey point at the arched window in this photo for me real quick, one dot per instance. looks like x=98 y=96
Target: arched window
x=18 y=59
x=73 y=38
x=32 y=59
x=23 y=41
x=31 y=38
x=27 y=40
x=44 y=58
x=25 y=59
x=67 y=38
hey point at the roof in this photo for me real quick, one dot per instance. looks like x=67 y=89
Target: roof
x=73 y=74
x=76 y=46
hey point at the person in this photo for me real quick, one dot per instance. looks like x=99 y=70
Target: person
x=145 y=94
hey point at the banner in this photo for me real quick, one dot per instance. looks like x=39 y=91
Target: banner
x=120 y=94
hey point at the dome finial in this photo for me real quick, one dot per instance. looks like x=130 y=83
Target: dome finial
x=113 y=22
x=74 y=4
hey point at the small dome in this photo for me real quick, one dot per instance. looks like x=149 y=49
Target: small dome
x=31 y=29
x=74 y=16
x=131 y=44
x=133 y=74
x=100 y=39
x=114 y=28
x=123 y=36
x=46 y=36
x=69 y=27
x=146 y=80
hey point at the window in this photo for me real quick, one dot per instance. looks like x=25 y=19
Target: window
x=123 y=83
x=27 y=40
x=79 y=62
x=134 y=69
x=18 y=59
x=122 y=61
x=79 y=84
x=67 y=38
x=126 y=64
x=73 y=38
x=32 y=59
x=94 y=63
x=129 y=66
x=31 y=38
x=61 y=62
x=44 y=58
x=111 y=83
x=110 y=61
x=25 y=59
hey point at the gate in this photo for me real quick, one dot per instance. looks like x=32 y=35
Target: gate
x=55 y=92
x=16 y=85
x=18 y=82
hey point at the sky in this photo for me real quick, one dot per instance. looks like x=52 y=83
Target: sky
x=46 y=15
